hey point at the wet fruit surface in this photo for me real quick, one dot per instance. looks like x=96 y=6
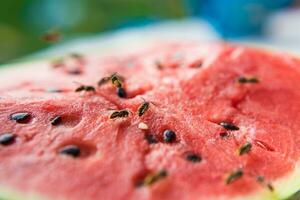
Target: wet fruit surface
x=210 y=132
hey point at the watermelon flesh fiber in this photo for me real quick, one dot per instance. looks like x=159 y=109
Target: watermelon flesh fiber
x=191 y=89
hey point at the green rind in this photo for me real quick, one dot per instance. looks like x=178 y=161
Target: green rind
x=295 y=196
x=10 y=194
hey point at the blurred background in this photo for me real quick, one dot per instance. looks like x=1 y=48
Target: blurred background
x=28 y=26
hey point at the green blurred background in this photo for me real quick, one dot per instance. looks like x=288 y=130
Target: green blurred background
x=23 y=22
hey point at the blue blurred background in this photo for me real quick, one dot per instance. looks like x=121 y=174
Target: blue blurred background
x=23 y=22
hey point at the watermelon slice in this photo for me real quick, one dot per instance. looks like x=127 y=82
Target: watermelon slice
x=172 y=121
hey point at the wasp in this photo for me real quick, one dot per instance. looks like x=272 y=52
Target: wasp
x=86 y=88
x=119 y=114
x=115 y=79
x=143 y=107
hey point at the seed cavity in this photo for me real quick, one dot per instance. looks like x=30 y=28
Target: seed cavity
x=245 y=148
x=7 y=138
x=224 y=134
x=229 y=126
x=192 y=157
x=56 y=120
x=234 y=176
x=70 y=150
x=151 y=138
x=263 y=145
x=152 y=178
x=21 y=117
x=169 y=136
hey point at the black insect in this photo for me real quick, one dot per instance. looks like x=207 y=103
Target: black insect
x=143 y=107
x=70 y=150
x=86 y=88
x=235 y=175
x=229 y=126
x=152 y=178
x=7 y=138
x=115 y=79
x=245 y=148
x=119 y=114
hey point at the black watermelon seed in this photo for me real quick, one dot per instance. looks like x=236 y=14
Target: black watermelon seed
x=56 y=120
x=169 y=136
x=229 y=126
x=193 y=157
x=22 y=117
x=150 y=139
x=7 y=138
x=121 y=92
x=70 y=150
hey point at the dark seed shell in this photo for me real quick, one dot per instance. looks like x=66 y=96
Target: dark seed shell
x=22 y=117
x=56 y=120
x=70 y=150
x=121 y=92
x=6 y=138
x=169 y=136
x=192 y=157
x=229 y=126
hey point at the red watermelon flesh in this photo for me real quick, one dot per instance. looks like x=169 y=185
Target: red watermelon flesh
x=192 y=90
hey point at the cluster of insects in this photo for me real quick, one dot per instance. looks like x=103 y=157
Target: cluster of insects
x=117 y=81
x=125 y=113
